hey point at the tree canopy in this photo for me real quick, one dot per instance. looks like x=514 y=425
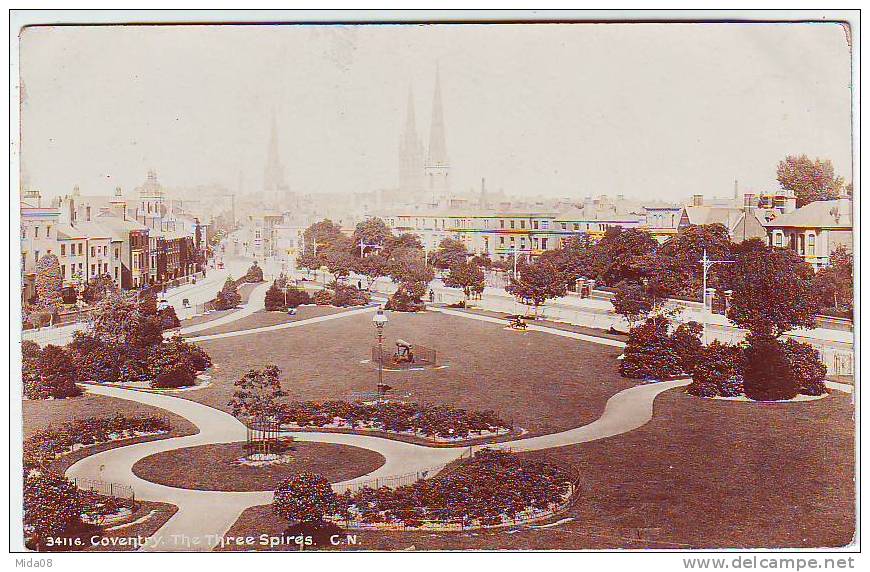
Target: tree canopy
x=811 y=180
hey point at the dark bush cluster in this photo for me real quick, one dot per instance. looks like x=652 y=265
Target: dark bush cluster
x=254 y=274
x=279 y=300
x=345 y=295
x=407 y=298
x=764 y=368
x=489 y=490
x=427 y=420
x=46 y=445
x=48 y=372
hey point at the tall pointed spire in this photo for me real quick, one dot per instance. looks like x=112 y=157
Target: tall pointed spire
x=273 y=174
x=410 y=152
x=437 y=140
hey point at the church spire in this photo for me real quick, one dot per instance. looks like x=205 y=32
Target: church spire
x=273 y=174
x=410 y=152
x=437 y=143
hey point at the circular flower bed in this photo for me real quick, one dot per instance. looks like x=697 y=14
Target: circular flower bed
x=217 y=467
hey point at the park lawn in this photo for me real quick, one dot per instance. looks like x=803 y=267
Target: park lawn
x=540 y=382
x=245 y=293
x=701 y=474
x=211 y=467
x=39 y=414
x=264 y=318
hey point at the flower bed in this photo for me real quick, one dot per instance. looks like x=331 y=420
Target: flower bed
x=439 y=422
x=48 y=444
x=493 y=489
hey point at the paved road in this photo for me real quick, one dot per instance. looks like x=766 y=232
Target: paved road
x=256 y=302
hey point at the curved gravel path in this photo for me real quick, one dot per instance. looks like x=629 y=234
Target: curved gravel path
x=204 y=516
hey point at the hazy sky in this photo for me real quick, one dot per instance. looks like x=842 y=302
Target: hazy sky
x=648 y=110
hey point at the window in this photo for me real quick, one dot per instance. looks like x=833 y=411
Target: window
x=81 y=248
x=522 y=224
x=577 y=226
x=501 y=240
x=544 y=244
x=93 y=270
x=777 y=239
x=36 y=256
x=117 y=253
x=63 y=270
x=93 y=251
x=535 y=225
x=513 y=224
x=545 y=224
x=36 y=232
x=501 y=223
x=23 y=232
x=565 y=226
x=48 y=232
x=63 y=250
x=105 y=268
x=116 y=274
x=811 y=245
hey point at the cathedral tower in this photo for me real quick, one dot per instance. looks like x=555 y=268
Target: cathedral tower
x=274 y=185
x=437 y=166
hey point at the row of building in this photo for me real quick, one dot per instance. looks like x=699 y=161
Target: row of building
x=136 y=240
x=812 y=231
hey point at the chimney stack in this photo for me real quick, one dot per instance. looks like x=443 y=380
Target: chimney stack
x=748 y=200
x=697 y=200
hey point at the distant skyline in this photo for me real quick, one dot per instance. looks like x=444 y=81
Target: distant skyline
x=658 y=111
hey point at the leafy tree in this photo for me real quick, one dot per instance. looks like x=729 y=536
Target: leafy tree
x=573 y=257
x=611 y=260
x=52 y=506
x=767 y=373
x=536 y=283
x=306 y=497
x=95 y=360
x=811 y=180
x=228 y=297
x=450 y=252
x=372 y=267
x=97 y=287
x=339 y=261
x=320 y=238
x=834 y=284
x=678 y=270
x=114 y=319
x=48 y=285
x=408 y=297
x=467 y=276
x=405 y=241
x=772 y=289
x=32 y=384
x=373 y=231
x=168 y=318
x=257 y=393
x=57 y=372
x=632 y=301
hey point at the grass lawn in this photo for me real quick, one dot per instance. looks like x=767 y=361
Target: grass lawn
x=701 y=474
x=244 y=291
x=39 y=414
x=211 y=467
x=263 y=318
x=541 y=382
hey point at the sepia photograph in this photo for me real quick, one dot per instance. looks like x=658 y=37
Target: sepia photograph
x=434 y=282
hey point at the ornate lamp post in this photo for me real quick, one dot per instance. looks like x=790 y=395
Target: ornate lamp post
x=380 y=320
x=706 y=264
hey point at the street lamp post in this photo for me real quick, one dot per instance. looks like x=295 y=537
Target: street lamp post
x=706 y=264
x=380 y=320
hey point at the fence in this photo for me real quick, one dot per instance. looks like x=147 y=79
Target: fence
x=115 y=490
x=420 y=356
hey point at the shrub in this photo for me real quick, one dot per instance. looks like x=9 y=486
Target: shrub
x=649 y=353
x=52 y=506
x=306 y=497
x=254 y=273
x=407 y=298
x=715 y=365
x=323 y=298
x=228 y=297
x=686 y=341
x=767 y=374
x=297 y=297
x=168 y=318
x=175 y=376
x=95 y=360
x=805 y=362
x=345 y=295
x=274 y=298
